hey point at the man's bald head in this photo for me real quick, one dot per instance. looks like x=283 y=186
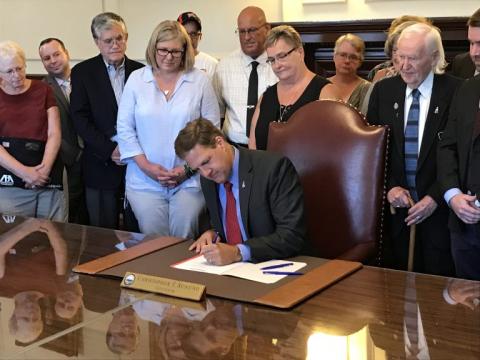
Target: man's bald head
x=252 y=30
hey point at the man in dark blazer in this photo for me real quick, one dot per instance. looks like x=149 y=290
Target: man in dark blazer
x=459 y=177
x=265 y=200
x=97 y=85
x=467 y=64
x=421 y=60
x=55 y=59
x=463 y=66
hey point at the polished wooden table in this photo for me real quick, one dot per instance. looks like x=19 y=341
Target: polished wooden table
x=48 y=312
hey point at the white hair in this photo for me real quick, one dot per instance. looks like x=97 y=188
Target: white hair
x=10 y=50
x=433 y=43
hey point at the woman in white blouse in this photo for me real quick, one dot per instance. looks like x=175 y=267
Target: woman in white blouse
x=157 y=102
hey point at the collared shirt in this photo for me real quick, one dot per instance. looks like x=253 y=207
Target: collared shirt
x=231 y=85
x=425 y=89
x=148 y=124
x=206 y=63
x=66 y=86
x=235 y=180
x=117 y=78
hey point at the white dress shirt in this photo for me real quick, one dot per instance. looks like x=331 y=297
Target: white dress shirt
x=425 y=89
x=231 y=85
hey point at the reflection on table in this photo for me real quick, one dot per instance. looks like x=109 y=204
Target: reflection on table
x=48 y=312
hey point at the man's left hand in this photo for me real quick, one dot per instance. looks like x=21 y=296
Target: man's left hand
x=421 y=210
x=221 y=254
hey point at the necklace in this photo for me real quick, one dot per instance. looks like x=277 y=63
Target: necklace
x=282 y=112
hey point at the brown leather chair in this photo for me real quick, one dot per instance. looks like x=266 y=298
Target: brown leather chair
x=341 y=162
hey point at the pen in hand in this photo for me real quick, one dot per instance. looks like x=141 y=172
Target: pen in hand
x=215 y=239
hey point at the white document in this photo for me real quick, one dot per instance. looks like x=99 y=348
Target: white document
x=242 y=270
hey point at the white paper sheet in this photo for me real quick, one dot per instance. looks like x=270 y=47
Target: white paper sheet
x=245 y=270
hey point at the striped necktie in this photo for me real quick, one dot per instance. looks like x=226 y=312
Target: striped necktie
x=411 y=144
x=66 y=88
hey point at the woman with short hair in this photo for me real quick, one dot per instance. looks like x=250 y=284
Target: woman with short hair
x=296 y=87
x=30 y=174
x=348 y=57
x=157 y=102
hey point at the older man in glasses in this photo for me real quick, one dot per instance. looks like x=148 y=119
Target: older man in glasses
x=242 y=77
x=97 y=86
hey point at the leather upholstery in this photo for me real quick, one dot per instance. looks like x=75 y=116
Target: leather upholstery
x=341 y=162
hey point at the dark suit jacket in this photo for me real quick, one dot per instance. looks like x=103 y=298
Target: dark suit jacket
x=70 y=149
x=383 y=111
x=271 y=203
x=94 y=111
x=454 y=148
x=463 y=66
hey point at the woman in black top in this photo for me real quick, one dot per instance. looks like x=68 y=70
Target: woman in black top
x=296 y=87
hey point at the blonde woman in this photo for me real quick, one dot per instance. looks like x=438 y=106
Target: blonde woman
x=157 y=102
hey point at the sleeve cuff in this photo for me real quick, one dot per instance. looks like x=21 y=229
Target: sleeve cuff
x=245 y=252
x=448 y=298
x=449 y=194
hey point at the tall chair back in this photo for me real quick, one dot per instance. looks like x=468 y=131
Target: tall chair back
x=341 y=162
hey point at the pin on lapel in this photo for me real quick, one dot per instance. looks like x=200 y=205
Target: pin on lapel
x=243 y=184
x=395 y=106
x=436 y=110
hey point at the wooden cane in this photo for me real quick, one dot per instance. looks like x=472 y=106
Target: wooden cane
x=411 y=244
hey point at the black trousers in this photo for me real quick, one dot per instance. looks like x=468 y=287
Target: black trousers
x=105 y=209
x=77 y=207
x=466 y=252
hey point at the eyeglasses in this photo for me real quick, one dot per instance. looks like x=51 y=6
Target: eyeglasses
x=195 y=35
x=249 y=31
x=345 y=56
x=174 y=52
x=13 y=71
x=279 y=57
x=119 y=40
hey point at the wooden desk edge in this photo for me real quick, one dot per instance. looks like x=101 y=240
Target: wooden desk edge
x=309 y=284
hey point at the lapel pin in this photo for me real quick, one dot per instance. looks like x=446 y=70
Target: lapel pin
x=395 y=106
x=436 y=110
x=243 y=184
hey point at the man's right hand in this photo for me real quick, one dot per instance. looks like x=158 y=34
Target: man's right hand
x=399 y=197
x=463 y=205
x=116 y=156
